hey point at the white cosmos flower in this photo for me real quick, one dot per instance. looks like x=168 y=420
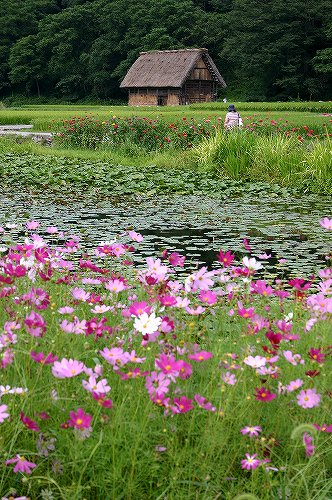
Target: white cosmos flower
x=251 y=263
x=147 y=324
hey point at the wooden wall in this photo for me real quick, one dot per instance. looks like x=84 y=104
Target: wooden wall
x=153 y=97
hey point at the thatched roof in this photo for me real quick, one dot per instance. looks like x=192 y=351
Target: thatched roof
x=167 y=68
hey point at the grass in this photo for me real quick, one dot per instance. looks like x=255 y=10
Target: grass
x=43 y=117
x=266 y=154
x=147 y=447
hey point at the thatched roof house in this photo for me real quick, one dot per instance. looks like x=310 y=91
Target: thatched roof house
x=171 y=77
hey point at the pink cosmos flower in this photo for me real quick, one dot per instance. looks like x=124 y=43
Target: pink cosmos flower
x=66 y=310
x=200 y=280
x=195 y=311
x=32 y=224
x=208 y=297
x=80 y=294
x=294 y=359
x=156 y=269
x=182 y=302
x=246 y=313
x=79 y=420
x=185 y=369
x=3 y=413
x=261 y=288
x=133 y=358
x=29 y=424
x=203 y=403
x=167 y=300
x=251 y=462
x=100 y=309
x=76 y=327
x=6 y=358
x=308 y=398
x=294 y=385
x=200 y=356
x=246 y=244
x=67 y=368
x=116 y=285
x=35 y=324
x=167 y=325
x=22 y=465
x=99 y=387
x=40 y=357
x=308 y=442
x=175 y=259
x=264 y=394
x=157 y=383
x=115 y=356
x=251 y=430
x=168 y=365
x=229 y=378
x=326 y=223
x=323 y=428
x=255 y=362
x=138 y=308
x=52 y=230
x=135 y=236
x=264 y=256
x=135 y=373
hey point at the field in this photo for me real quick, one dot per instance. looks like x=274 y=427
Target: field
x=130 y=383
x=282 y=143
x=163 y=381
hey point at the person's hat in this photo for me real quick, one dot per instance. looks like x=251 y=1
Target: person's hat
x=231 y=107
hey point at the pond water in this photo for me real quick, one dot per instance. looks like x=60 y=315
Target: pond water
x=197 y=226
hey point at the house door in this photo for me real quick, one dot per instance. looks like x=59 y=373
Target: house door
x=162 y=100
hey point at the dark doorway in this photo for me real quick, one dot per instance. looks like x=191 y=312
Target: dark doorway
x=162 y=100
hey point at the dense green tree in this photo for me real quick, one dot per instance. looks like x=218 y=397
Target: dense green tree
x=79 y=48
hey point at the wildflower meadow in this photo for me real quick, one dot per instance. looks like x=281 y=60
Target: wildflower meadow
x=123 y=381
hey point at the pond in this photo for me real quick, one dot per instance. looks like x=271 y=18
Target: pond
x=197 y=226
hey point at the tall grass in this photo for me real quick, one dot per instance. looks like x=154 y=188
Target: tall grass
x=273 y=158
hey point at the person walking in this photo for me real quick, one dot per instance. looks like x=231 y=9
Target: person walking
x=232 y=118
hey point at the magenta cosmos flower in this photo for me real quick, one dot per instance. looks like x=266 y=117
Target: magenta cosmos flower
x=264 y=394
x=308 y=398
x=40 y=357
x=251 y=430
x=22 y=465
x=29 y=424
x=251 y=462
x=79 y=420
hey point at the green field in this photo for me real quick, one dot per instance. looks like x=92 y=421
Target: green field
x=42 y=116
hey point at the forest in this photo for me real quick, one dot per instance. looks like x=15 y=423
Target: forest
x=81 y=49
